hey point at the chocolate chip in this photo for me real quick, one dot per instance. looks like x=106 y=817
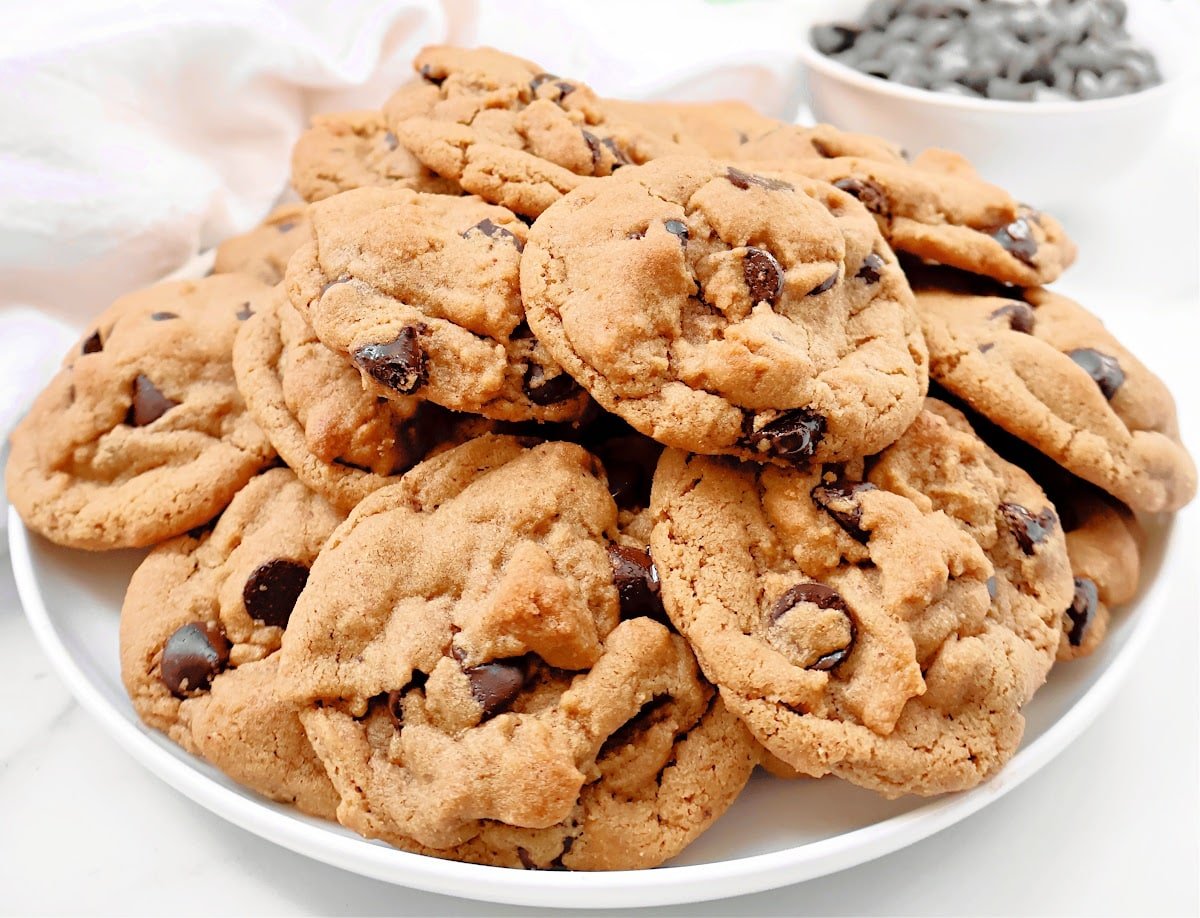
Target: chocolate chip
x=839 y=500
x=286 y=226
x=870 y=270
x=1082 y=610
x=744 y=180
x=1017 y=239
x=1028 y=529
x=540 y=79
x=244 y=312
x=618 y=154
x=149 y=404
x=395 y=707
x=819 y=146
x=869 y=193
x=272 y=589
x=192 y=656
x=526 y=861
x=986 y=346
x=390 y=140
x=427 y=74
x=763 y=274
x=1020 y=316
x=824 y=285
x=399 y=364
x=593 y=143
x=492 y=231
x=92 y=344
x=793 y=436
x=678 y=228
x=1101 y=367
x=822 y=597
x=495 y=684
x=548 y=390
x=163 y=316
x=636 y=580
x=992 y=587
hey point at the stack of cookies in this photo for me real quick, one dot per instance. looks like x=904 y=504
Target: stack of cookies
x=558 y=461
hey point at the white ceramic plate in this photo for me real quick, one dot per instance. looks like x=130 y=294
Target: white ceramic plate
x=777 y=833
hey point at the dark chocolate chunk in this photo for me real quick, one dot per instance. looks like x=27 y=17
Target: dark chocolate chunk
x=763 y=274
x=163 y=316
x=427 y=74
x=272 y=589
x=678 y=228
x=822 y=597
x=593 y=143
x=149 y=404
x=1029 y=529
x=192 y=656
x=870 y=270
x=492 y=231
x=1020 y=316
x=495 y=684
x=1017 y=239
x=399 y=364
x=1082 y=610
x=636 y=580
x=1101 y=367
x=744 y=180
x=870 y=194
x=839 y=500
x=824 y=285
x=793 y=436
x=390 y=140
x=548 y=390
x=244 y=312
x=622 y=159
x=92 y=344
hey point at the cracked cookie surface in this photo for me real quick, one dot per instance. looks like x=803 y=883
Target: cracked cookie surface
x=884 y=628
x=200 y=626
x=422 y=293
x=475 y=684
x=142 y=435
x=722 y=311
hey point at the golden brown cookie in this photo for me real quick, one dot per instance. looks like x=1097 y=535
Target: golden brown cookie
x=263 y=252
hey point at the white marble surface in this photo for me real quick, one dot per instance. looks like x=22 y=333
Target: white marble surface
x=1110 y=827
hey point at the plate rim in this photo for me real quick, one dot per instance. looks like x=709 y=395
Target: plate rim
x=626 y=888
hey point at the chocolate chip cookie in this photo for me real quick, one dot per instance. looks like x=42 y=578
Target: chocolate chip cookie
x=341 y=441
x=422 y=293
x=509 y=132
x=936 y=207
x=718 y=129
x=142 y=435
x=356 y=150
x=723 y=311
x=881 y=622
x=200 y=627
x=1040 y=366
x=479 y=684
x=263 y=252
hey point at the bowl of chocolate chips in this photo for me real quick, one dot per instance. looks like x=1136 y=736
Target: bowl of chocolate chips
x=1051 y=98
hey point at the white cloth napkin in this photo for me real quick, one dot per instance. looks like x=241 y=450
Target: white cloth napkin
x=136 y=133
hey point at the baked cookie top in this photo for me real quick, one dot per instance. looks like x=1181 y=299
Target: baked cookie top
x=341 y=440
x=263 y=252
x=511 y=133
x=464 y=660
x=718 y=129
x=936 y=207
x=202 y=620
x=142 y=434
x=422 y=292
x=723 y=311
x=1042 y=367
x=355 y=149
x=886 y=627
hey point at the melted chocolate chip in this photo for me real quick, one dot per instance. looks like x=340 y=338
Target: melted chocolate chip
x=744 y=180
x=1017 y=239
x=870 y=194
x=1020 y=316
x=192 y=656
x=163 y=316
x=272 y=589
x=548 y=390
x=391 y=141
x=149 y=404
x=1082 y=610
x=871 y=268
x=822 y=597
x=839 y=500
x=427 y=74
x=399 y=364
x=244 y=312
x=636 y=580
x=793 y=436
x=92 y=344
x=679 y=229
x=824 y=285
x=1101 y=367
x=992 y=587
x=1028 y=529
x=492 y=231
x=495 y=684
x=763 y=274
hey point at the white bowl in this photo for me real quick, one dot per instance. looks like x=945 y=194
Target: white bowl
x=1044 y=153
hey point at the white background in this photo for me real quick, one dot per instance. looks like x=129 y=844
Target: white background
x=1110 y=827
